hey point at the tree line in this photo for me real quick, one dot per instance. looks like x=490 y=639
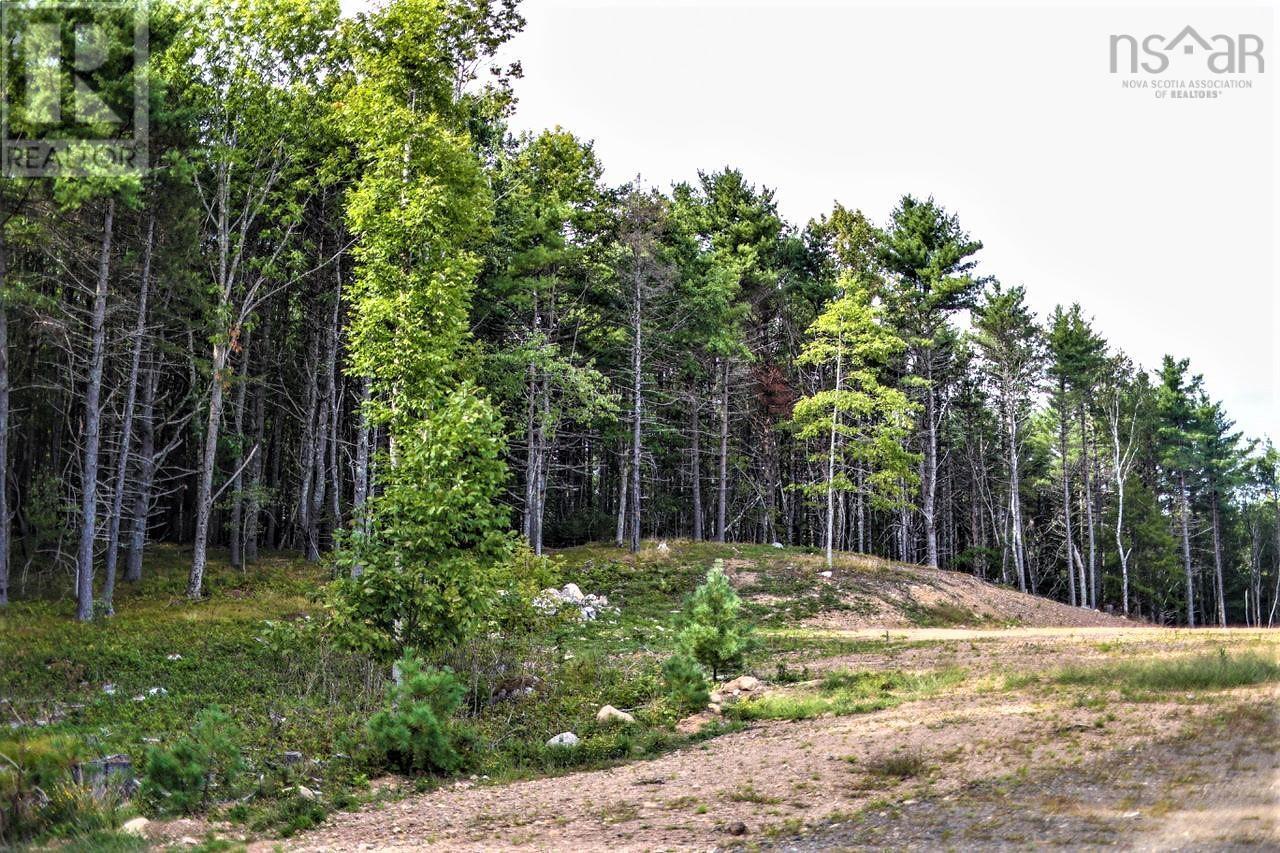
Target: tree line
x=347 y=312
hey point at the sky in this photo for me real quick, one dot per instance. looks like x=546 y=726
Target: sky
x=1156 y=212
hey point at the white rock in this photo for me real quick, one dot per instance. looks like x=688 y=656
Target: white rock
x=157 y=691
x=306 y=793
x=571 y=592
x=826 y=574
x=564 y=739
x=137 y=826
x=610 y=714
x=745 y=683
x=778 y=545
x=109 y=689
x=174 y=656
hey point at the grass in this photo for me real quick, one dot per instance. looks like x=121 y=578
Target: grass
x=1209 y=671
x=897 y=765
x=842 y=693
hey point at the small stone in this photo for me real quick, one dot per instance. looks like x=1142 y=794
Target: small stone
x=306 y=793
x=572 y=592
x=609 y=714
x=188 y=841
x=736 y=828
x=174 y=656
x=157 y=691
x=290 y=758
x=778 y=545
x=564 y=739
x=825 y=574
x=137 y=826
x=714 y=708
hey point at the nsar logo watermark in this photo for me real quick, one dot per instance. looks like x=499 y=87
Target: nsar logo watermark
x=1229 y=59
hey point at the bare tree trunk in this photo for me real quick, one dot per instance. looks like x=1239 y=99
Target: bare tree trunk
x=1087 y=464
x=1186 y=549
x=146 y=475
x=307 y=457
x=1015 y=502
x=637 y=400
x=93 y=426
x=624 y=486
x=204 y=485
x=831 y=452
x=253 y=505
x=236 y=533
x=930 y=484
x=695 y=462
x=1066 y=492
x=1217 y=560
x=126 y=424
x=723 y=480
x=4 y=415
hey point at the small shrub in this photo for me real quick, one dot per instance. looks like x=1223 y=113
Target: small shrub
x=685 y=683
x=415 y=731
x=712 y=630
x=898 y=765
x=179 y=780
x=29 y=769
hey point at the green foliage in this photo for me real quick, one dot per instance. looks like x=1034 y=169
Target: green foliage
x=30 y=768
x=424 y=565
x=685 y=683
x=872 y=420
x=415 y=731
x=712 y=629
x=179 y=780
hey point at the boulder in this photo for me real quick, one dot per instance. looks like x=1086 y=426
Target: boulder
x=137 y=827
x=572 y=593
x=736 y=828
x=306 y=793
x=609 y=714
x=778 y=545
x=564 y=739
x=741 y=684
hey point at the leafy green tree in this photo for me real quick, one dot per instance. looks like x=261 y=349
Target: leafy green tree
x=1009 y=341
x=929 y=259
x=1176 y=399
x=180 y=780
x=712 y=630
x=860 y=418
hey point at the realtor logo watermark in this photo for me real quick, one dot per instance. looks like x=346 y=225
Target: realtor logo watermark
x=1217 y=63
x=74 y=79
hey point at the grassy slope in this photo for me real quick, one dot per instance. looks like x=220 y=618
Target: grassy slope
x=305 y=699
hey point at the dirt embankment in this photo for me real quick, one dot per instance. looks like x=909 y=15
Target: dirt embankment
x=861 y=592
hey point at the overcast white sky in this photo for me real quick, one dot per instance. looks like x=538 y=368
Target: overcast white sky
x=1157 y=215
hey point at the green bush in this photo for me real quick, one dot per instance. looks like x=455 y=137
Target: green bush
x=179 y=780
x=685 y=683
x=29 y=769
x=712 y=630
x=415 y=731
x=435 y=537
